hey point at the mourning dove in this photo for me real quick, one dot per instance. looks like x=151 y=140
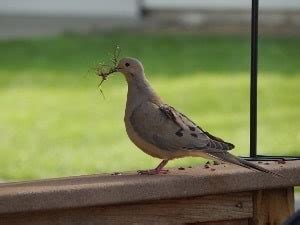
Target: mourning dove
x=163 y=132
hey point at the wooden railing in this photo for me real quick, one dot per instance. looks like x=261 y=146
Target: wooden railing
x=219 y=194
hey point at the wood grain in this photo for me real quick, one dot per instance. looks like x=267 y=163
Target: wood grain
x=273 y=207
x=176 y=211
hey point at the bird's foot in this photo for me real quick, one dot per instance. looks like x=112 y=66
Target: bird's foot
x=152 y=172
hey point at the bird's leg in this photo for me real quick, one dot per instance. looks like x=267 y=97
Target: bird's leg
x=157 y=170
x=160 y=167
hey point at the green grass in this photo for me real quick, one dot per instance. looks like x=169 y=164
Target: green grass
x=54 y=122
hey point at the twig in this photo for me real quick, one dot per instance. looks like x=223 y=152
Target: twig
x=104 y=70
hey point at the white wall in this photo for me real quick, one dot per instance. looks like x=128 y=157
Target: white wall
x=105 y=8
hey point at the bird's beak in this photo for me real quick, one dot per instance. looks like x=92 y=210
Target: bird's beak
x=118 y=69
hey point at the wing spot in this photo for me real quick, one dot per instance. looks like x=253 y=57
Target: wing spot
x=179 y=133
x=192 y=128
x=194 y=135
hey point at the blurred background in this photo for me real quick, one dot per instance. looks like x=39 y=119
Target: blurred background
x=54 y=121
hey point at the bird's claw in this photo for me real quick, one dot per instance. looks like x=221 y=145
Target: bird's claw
x=152 y=172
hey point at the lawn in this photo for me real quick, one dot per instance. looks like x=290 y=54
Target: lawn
x=54 y=121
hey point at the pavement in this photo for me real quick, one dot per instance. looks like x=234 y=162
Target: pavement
x=28 y=26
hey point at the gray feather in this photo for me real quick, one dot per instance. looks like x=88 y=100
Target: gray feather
x=172 y=131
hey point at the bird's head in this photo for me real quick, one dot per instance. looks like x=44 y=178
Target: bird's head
x=131 y=68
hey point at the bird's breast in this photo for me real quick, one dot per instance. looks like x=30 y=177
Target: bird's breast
x=142 y=144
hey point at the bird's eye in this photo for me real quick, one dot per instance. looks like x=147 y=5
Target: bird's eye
x=127 y=64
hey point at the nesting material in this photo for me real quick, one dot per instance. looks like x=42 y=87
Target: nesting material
x=105 y=70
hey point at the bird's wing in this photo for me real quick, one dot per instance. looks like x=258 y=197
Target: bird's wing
x=170 y=130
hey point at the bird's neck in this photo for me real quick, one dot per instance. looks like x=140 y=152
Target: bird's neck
x=139 y=92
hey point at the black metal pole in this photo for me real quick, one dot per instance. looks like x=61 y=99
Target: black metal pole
x=253 y=85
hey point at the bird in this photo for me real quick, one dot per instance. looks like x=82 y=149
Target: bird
x=161 y=131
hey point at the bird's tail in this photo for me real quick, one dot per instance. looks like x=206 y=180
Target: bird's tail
x=227 y=157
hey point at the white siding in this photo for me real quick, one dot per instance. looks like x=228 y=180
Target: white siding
x=221 y=4
x=104 y=8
